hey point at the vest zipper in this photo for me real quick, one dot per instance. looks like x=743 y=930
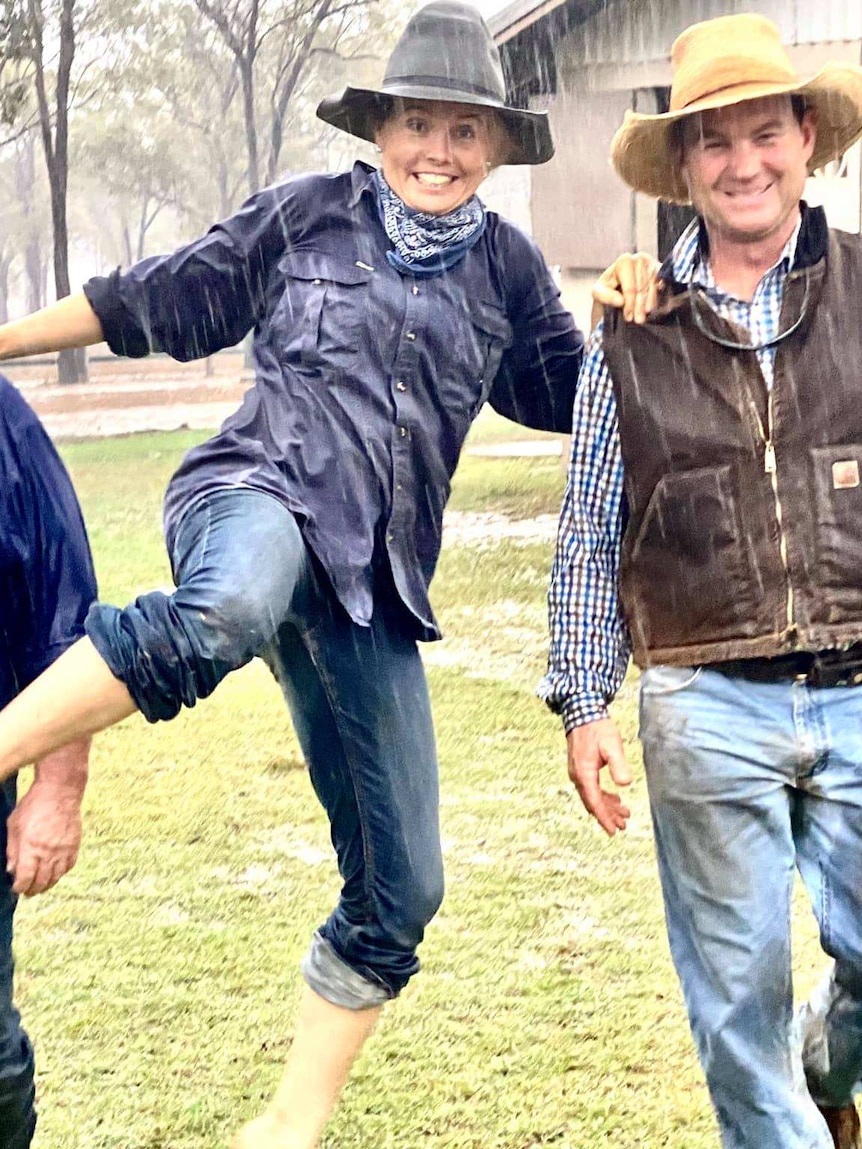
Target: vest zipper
x=770 y=466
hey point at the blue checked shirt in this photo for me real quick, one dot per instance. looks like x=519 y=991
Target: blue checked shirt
x=590 y=644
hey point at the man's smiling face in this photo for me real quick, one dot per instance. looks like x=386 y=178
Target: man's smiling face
x=746 y=166
x=435 y=153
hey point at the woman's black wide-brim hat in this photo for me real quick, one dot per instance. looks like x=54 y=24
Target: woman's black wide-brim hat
x=446 y=52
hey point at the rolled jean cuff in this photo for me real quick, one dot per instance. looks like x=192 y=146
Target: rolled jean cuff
x=335 y=981
x=143 y=650
x=104 y=629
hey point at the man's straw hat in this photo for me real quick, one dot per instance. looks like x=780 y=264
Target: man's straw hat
x=722 y=62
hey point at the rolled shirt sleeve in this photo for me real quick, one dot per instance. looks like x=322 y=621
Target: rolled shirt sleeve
x=590 y=646
x=203 y=297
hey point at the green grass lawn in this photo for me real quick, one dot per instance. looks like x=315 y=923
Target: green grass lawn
x=159 y=979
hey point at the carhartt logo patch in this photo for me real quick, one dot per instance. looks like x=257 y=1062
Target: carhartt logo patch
x=845 y=474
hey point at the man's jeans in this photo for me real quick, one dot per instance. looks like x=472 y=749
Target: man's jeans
x=747 y=781
x=17 y=1109
x=246 y=586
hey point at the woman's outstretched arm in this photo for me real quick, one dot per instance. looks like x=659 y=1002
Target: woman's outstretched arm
x=70 y=322
x=75 y=697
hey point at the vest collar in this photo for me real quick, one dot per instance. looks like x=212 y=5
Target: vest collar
x=810 y=248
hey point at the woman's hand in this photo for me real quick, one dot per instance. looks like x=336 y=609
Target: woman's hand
x=631 y=282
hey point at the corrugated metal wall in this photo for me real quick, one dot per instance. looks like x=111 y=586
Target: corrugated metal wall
x=621 y=54
x=628 y=31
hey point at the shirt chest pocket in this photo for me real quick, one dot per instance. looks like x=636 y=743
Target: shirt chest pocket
x=493 y=333
x=323 y=316
x=485 y=336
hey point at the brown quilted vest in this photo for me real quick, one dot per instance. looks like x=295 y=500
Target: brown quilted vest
x=744 y=532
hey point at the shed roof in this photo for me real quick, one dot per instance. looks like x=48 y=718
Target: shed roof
x=621 y=32
x=521 y=14
x=526 y=31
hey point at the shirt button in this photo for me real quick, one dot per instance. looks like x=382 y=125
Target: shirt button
x=400 y=385
x=390 y=538
x=411 y=335
x=316 y=282
x=415 y=289
x=402 y=431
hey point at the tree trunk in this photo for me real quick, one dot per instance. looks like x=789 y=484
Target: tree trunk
x=72 y=364
x=25 y=181
x=126 y=238
x=290 y=79
x=5 y=264
x=223 y=183
x=33 y=268
x=247 y=72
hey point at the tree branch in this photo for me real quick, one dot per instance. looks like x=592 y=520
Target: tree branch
x=221 y=22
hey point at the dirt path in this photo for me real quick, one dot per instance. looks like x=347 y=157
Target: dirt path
x=123 y=397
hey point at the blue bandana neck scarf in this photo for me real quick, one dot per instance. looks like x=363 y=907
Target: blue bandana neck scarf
x=426 y=244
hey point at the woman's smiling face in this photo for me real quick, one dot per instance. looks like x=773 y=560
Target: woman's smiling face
x=435 y=154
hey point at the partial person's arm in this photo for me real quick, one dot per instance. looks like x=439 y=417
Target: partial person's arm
x=70 y=322
x=44 y=831
x=589 y=640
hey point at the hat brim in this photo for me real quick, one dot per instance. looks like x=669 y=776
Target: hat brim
x=644 y=155
x=360 y=111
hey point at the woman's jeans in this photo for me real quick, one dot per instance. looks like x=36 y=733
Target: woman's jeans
x=17 y=1109
x=748 y=781
x=246 y=586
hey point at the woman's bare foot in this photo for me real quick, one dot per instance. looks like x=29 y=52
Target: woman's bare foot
x=325 y=1044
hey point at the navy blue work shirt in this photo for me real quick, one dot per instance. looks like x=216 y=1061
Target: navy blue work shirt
x=366 y=381
x=46 y=573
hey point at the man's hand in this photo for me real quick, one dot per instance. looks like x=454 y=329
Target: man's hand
x=632 y=283
x=44 y=829
x=592 y=746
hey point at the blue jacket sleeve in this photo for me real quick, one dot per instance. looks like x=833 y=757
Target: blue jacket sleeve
x=51 y=583
x=206 y=295
x=538 y=375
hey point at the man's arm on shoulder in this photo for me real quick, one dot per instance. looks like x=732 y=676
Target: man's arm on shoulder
x=589 y=640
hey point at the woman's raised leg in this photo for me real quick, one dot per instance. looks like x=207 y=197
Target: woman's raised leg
x=361 y=711
x=238 y=560
x=327 y=1040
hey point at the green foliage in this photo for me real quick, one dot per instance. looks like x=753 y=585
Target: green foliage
x=15 y=49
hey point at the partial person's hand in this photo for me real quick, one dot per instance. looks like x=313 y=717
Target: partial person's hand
x=592 y=747
x=44 y=835
x=632 y=283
